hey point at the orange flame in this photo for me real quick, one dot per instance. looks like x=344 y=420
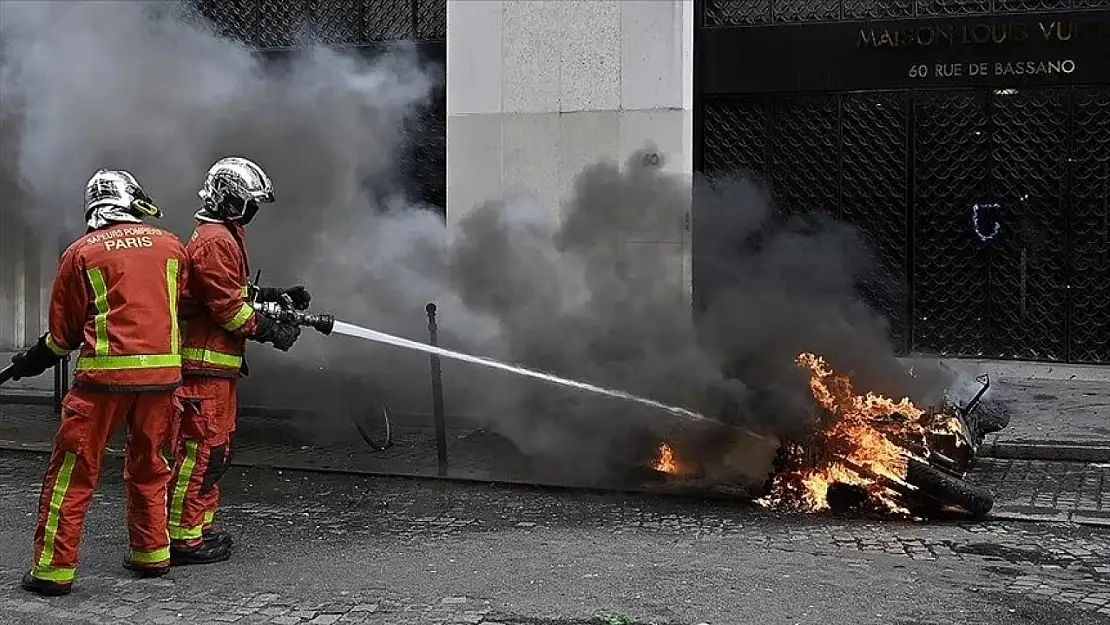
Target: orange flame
x=666 y=461
x=856 y=448
x=864 y=440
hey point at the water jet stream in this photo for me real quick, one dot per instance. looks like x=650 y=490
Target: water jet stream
x=389 y=339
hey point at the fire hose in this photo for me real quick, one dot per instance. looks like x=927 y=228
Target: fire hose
x=7 y=373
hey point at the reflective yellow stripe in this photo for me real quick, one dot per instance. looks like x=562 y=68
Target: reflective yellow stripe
x=53 y=574
x=211 y=357
x=100 y=289
x=150 y=557
x=209 y=516
x=177 y=504
x=239 y=319
x=53 y=516
x=246 y=292
x=109 y=363
x=171 y=289
x=186 y=533
x=54 y=347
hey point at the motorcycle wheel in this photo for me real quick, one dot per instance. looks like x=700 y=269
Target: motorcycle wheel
x=947 y=489
x=991 y=417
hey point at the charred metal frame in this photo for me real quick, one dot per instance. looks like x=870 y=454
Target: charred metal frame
x=982 y=195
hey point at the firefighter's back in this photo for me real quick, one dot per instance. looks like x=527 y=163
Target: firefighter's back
x=131 y=337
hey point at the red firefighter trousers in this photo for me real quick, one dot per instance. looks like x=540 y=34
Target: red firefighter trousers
x=203 y=451
x=87 y=422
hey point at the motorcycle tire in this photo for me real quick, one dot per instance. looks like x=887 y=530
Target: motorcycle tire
x=991 y=417
x=949 y=490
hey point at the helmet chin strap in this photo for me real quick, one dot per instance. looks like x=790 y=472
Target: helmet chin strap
x=220 y=216
x=249 y=212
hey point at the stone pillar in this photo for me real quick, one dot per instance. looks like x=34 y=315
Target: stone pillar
x=539 y=89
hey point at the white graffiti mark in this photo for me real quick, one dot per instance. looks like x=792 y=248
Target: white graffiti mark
x=995 y=228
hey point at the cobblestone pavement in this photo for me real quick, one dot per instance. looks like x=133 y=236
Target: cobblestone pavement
x=1047 y=490
x=320 y=549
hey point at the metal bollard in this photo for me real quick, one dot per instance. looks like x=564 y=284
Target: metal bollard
x=437 y=393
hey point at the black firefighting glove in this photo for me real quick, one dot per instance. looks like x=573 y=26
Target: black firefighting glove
x=34 y=361
x=298 y=296
x=281 y=334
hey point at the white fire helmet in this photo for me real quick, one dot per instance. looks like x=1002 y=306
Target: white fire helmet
x=233 y=189
x=113 y=196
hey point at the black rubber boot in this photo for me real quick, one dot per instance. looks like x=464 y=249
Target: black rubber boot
x=146 y=571
x=219 y=537
x=204 y=553
x=44 y=587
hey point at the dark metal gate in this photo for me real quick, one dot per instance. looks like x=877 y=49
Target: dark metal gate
x=968 y=139
x=277 y=27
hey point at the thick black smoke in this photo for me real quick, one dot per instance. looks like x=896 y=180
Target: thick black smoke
x=594 y=290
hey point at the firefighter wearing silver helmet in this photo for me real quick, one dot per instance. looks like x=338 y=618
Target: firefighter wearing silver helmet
x=232 y=191
x=114 y=300
x=115 y=196
x=218 y=319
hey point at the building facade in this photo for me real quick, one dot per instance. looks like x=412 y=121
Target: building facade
x=968 y=139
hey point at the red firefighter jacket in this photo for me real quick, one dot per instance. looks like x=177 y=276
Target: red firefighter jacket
x=116 y=296
x=215 y=314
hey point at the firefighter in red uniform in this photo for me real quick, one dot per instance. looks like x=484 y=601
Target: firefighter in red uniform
x=217 y=319
x=115 y=296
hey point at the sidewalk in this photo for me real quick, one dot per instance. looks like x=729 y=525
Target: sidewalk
x=1059 y=412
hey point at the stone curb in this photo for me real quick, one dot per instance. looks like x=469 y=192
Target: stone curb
x=465 y=477
x=1055 y=451
x=33 y=398
x=1050 y=516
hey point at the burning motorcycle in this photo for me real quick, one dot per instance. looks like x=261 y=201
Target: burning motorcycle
x=872 y=453
x=864 y=452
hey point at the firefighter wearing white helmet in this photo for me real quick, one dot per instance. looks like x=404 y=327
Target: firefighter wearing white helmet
x=218 y=319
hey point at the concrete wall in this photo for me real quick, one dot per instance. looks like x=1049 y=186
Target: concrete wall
x=26 y=270
x=539 y=89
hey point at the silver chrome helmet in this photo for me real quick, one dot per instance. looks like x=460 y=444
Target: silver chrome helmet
x=116 y=196
x=233 y=189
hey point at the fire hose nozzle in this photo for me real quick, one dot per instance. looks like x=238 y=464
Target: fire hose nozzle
x=321 y=323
